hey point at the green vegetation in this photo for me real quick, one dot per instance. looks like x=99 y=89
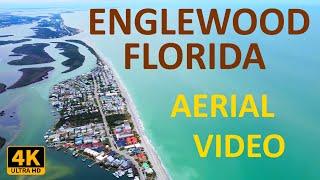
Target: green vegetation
x=116 y=119
x=31 y=75
x=80 y=120
x=106 y=142
x=53 y=27
x=87 y=46
x=32 y=54
x=72 y=52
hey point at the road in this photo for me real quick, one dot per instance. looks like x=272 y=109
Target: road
x=113 y=147
x=149 y=150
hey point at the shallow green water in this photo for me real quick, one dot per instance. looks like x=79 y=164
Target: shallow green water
x=290 y=80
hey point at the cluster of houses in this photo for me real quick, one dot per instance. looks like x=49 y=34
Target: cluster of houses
x=87 y=136
x=109 y=92
x=126 y=139
x=75 y=100
x=74 y=97
x=114 y=161
x=91 y=141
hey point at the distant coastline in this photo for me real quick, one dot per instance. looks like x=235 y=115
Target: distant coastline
x=47 y=27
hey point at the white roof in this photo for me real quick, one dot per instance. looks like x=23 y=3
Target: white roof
x=101 y=157
x=110 y=158
x=91 y=152
x=149 y=171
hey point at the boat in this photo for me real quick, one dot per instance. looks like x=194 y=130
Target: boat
x=83 y=159
x=49 y=146
x=116 y=174
x=121 y=173
x=90 y=165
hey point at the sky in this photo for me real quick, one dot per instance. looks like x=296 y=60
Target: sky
x=6 y=4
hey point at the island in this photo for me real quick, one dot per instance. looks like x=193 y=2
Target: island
x=92 y=51
x=31 y=75
x=2 y=88
x=95 y=121
x=32 y=54
x=53 y=27
x=13 y=41
x=2 y=142
x=72 y=52
x=48 y=27
x=3 y=36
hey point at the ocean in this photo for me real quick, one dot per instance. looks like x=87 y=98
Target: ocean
x=290 y=80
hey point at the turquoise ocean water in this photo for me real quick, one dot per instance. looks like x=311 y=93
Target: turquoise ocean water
x=290 y=80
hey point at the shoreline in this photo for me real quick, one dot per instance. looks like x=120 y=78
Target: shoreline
x=154 y=158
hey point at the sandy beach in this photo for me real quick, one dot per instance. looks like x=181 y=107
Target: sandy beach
x=146 y=143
